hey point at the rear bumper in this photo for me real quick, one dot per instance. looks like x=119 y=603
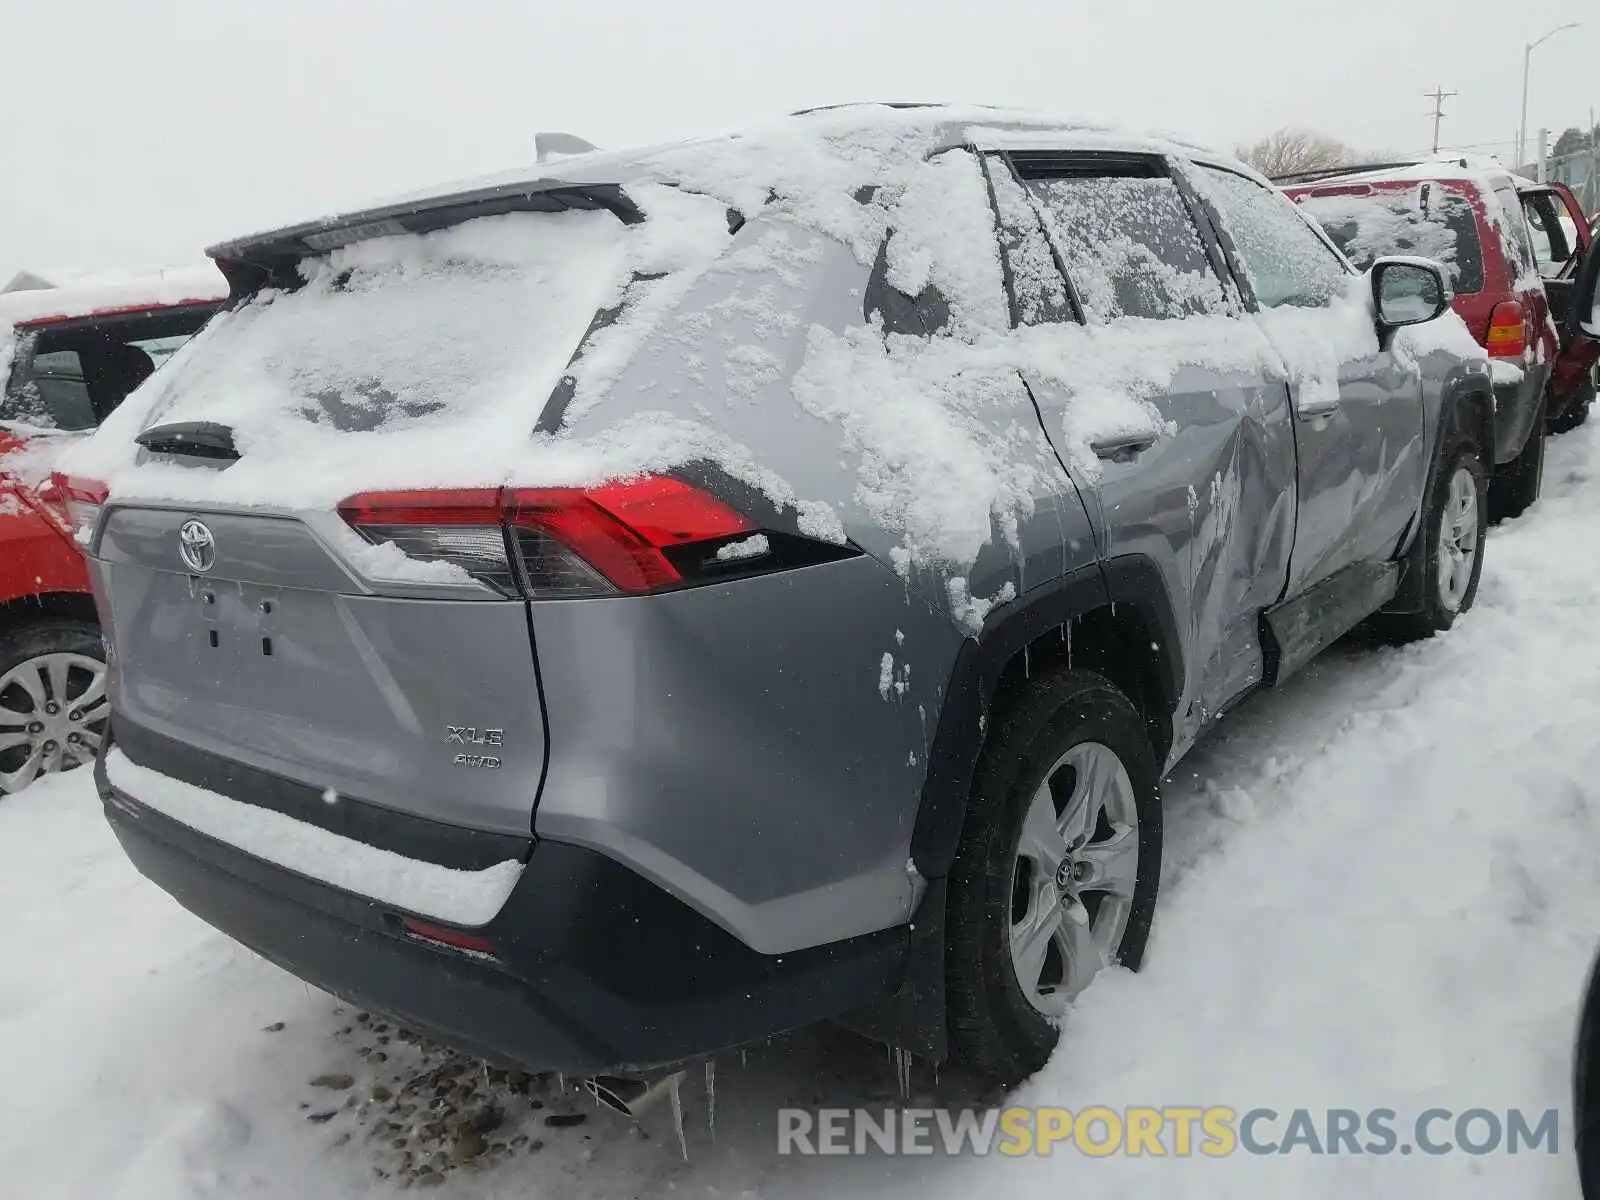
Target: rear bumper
x=596 y=969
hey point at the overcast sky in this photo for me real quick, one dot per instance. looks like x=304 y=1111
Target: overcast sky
x=139 y=132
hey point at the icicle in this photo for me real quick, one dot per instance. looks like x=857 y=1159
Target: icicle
x=676 y=1096
x=902 y=1071
x=711 y=1097
x=561 y=1083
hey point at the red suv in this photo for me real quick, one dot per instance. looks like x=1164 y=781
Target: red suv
x=1510 y=286
x=68 y=357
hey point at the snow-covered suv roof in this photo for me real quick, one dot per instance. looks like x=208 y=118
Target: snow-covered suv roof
x=830 y=152
x=109 y=294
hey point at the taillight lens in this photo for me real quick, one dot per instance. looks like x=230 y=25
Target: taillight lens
x=1508 y=331
x=623 y=531
x=462 y=528
x=79 y=501
x=628 y=538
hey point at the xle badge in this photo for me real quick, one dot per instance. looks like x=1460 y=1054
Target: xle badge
x=471 y=735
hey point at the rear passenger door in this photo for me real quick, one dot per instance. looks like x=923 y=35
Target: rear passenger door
x=1151 y=384
x=1358 y=410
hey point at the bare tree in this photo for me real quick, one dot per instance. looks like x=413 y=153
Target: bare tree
x=1289 y=151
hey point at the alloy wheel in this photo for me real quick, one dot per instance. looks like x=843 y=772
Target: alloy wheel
x=53 y=711
x=1458 y=539
x=1073 y=876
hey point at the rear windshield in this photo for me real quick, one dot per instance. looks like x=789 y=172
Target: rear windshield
x=1424 y=220
x=443 y=330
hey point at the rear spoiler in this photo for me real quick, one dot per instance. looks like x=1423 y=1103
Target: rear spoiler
x=269 y=259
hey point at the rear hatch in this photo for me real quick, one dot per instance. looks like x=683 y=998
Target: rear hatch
x=279 y=657
x=310 y=561
x=1433 y=219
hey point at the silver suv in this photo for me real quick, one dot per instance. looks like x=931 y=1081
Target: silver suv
x=630 y=608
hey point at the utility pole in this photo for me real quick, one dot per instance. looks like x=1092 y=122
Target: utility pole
x=1527 y=62
x=1544 y=155
x=1438 y=96
x=1594 y=164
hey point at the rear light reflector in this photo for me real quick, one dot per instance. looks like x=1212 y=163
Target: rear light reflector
x=564 y=543
x=443 y=935
x=79 y=501
x=1507 y=336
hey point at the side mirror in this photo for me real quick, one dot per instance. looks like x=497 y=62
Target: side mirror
x=1408 y=291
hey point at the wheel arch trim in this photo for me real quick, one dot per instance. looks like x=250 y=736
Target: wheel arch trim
x=981 y=662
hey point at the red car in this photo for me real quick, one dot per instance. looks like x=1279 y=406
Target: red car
x=1511 y=258
x=68 y=357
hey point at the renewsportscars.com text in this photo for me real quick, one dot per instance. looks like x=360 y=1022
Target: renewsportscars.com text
x=1170 y=1131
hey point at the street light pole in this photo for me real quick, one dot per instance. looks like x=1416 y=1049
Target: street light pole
x=1527 y=61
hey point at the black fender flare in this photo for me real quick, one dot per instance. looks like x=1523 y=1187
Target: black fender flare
x=1466 y=415
x=975 y=677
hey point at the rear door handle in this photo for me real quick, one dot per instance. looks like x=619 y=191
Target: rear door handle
x=1318 y=408
x=1120 y=449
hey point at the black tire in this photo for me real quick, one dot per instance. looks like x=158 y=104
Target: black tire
x=1586 y=1089
x=1577 y=410
x=994 y=1029
x=1516 y=484
x=49 y=635
x=1435 y=612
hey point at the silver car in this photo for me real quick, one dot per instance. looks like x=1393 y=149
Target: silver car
x=639 y=605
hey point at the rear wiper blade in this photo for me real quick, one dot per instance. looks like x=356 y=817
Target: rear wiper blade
x=193 y=439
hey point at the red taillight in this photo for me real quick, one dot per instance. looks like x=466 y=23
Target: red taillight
x=1507 y=336
x=623 y=529
x=443 y=935
x=570 y=542
x=78 y=500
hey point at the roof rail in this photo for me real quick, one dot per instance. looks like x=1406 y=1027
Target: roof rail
x=1347 y=169
x=546 y=144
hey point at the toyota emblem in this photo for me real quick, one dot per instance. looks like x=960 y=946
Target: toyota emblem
x=197 y=547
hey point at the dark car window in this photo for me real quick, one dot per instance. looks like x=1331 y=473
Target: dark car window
x=1424 y=220
x=1282 y=258
x=57 y=378
x=1130 y=246
x=78 y=373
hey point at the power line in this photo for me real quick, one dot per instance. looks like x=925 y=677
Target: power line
x=1439 y=96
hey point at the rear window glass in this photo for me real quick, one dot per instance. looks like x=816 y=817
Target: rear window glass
x=1424 y=220
x=409 y=331
x=1130 y=246
x=1514 y=233
x=77 y=375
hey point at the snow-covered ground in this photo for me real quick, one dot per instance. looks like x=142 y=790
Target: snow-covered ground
x=1383 y=891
